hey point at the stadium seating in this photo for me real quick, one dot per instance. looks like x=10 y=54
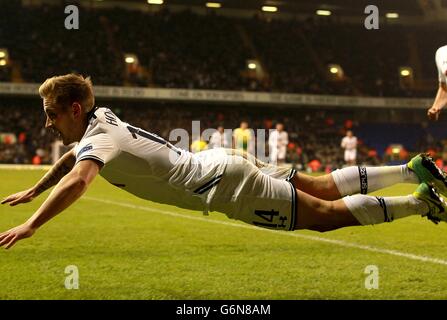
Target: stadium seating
x=187 y=50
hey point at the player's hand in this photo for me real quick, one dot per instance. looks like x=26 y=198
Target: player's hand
x=20 y=197
x=10 y=237
x=433 y=113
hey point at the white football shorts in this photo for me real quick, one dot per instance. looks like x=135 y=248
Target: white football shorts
x=248 y=194
x=350 y=155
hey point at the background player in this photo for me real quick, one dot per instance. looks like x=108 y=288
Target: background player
x=349 y=144
x=243 y=138
x=441 y=96
x=278 y=141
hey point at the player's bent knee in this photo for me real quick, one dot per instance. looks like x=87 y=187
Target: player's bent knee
x=316 y=215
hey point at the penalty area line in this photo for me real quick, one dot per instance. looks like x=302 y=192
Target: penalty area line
x=282 y=233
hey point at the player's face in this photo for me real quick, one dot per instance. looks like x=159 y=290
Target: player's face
x=59 y=120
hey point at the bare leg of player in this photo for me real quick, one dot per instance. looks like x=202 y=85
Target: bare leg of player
x=322 y=215
x=322 y=187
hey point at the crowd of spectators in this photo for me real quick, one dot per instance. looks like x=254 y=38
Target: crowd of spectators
x=314 y=134
x=40 y=46
x=5 y=73
x=188 y=50
x=22 y=132
x=183 y=50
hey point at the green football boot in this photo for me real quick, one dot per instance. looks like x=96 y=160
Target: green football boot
x=427 y=171
x=436 y=204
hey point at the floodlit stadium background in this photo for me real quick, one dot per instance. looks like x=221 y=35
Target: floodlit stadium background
x=309 y=64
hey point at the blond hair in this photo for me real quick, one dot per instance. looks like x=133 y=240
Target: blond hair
x=69 y=88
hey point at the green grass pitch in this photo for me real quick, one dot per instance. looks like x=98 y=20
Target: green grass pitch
x=129 y=248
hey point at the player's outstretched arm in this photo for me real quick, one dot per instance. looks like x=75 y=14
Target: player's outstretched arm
x=439 y=103
x=68 y=190
x=60 y=169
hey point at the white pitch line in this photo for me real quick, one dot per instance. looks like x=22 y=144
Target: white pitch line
x=283 y=233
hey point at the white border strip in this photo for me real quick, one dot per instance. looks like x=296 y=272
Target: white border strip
x=283 y=233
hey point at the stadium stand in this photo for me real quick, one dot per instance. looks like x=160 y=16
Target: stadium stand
x=187 y=50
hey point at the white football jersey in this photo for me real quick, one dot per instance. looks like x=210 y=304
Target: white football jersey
x=219 y=140
x=148 y=166
x=441 y=63
x=349 y=143
x=278 y=142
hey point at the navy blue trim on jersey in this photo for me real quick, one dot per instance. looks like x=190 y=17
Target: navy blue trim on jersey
x=91 y=113
x=291 y=175
x=84 y=149
x=293 y=216
x=208 y=185
x=91 y=157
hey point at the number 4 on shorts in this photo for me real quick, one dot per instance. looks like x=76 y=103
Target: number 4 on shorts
x=267 y=215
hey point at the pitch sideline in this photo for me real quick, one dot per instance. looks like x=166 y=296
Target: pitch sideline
x=289 y=234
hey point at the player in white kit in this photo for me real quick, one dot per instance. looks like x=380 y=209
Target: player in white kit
x=349 y=144
x=224 y=180
x=278 y=141
x=441 y=96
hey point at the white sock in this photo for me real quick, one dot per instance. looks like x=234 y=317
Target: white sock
x=373 y=210
x=352 y=180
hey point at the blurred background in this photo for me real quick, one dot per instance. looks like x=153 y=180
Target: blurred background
x=310 y=65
